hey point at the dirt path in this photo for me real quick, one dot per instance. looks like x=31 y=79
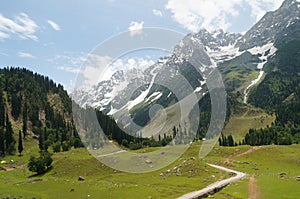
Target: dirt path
x=253 y=190
x=253 y=149
x=6 y=169
x=215 y=187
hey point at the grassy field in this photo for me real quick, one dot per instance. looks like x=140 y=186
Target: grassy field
x=264 y=164
x=102 y=182
x=273 y=168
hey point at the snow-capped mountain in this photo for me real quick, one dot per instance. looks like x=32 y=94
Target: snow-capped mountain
x=274 y=26
x=194 y=57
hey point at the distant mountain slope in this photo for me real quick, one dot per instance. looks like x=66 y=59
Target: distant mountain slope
x=246 y=62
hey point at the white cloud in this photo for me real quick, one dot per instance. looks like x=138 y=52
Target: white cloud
x=259 y=7
x=214 y=14
x=93 y=69
x=125 y=65
x=68 y=69
x=69 y=58
x=25 y=55
x=157 y=13
x=54 y=25
x=21 y=26
x=68 y=61
x=136 y=28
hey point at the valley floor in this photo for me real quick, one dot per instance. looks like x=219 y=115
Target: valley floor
x=272 y=174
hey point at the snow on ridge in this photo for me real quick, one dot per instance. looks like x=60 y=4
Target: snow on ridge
x=223 y=53
x=263 y=51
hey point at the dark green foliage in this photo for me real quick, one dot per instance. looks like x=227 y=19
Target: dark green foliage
x=287 y=59
x=124 y=143
x=77 y=143
x=24 y=85
x=2 y=109
x=272 y=135
x=25 y=118
x=56 y=147
x=42 y=140
x=9 y=139
x=2 y=142
x=273 y=90
x=282 y=79
x=41 y=164
x=226 y=140
x=20 y=143
x=27 y=95
x=16 y=104
x=65 y=146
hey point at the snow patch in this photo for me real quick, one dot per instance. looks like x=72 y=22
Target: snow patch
x=155 y=96
x=266 y=51
x=253 y=82
x=224 y=53
x=198 y=89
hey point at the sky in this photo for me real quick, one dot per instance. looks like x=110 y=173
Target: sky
x=54 y=37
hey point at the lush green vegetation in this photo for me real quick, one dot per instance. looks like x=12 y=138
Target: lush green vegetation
x=273 y=167
x=39 y=117
x=187 y=174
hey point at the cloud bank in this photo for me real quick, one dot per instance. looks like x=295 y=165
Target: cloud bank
x=214 y=14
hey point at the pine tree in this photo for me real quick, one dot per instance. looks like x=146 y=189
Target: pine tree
x=9 y=139
x=2 y=144
x=15 y=106
x=42 y=140
x=230 y=140
x=25 y=119
x=20 y=144
x=2 y=109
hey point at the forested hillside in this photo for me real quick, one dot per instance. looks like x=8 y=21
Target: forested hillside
x=42 y=107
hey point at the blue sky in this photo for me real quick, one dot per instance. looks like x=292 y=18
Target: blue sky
x=54 y=37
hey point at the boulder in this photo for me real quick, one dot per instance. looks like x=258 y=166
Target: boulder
x=80 y=178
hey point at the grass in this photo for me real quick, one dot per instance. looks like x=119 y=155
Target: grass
x=266 y=165
x=239 y=124
x=103 y=182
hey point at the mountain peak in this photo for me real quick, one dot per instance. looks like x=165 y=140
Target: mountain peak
x=288 y=3
x=266 y=30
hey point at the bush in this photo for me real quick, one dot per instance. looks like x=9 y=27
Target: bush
x=41 y=164
x=65 y=146
x=56 y=147
x=77 y=143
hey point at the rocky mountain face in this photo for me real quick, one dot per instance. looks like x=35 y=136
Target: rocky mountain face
x=238 y=57
x=273 y=27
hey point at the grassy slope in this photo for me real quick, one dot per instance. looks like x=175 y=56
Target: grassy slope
x=250 y=117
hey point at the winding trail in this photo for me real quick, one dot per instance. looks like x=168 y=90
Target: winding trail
x=212 y=188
